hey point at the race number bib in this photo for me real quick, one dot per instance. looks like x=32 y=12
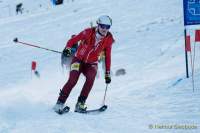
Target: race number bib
x=75 y=66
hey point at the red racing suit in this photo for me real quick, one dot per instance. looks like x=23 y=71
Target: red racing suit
x=86 y=57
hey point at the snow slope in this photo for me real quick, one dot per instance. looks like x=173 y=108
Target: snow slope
x=149 y=45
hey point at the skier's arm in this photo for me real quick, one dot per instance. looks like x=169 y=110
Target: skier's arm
x=108 y=53
x=108 y=58
x=75 y=39
x=108 y=63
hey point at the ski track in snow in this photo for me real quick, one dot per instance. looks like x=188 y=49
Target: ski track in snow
x=149 y=45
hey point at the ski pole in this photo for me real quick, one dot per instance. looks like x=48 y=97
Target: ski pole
x=104 y=98
x=32 y=45
x=193 y=67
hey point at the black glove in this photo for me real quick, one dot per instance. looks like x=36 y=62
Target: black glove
x=67 y=52
x=107 y=77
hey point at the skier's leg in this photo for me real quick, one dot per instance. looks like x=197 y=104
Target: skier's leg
x=90 y=71
x=64 y=93
x=73 y=78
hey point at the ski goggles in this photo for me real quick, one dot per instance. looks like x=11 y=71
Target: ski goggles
x=104 y=26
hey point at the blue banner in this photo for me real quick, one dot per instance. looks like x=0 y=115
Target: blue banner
x=54 y=2
x=191 y=12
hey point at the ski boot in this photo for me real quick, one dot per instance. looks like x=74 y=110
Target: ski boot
x=58 y=108
x=80 y=107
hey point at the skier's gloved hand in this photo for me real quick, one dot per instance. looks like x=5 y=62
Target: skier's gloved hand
x=67 y=52
x=107 y=77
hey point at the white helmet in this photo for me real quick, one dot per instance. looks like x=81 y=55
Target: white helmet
x=104 y=19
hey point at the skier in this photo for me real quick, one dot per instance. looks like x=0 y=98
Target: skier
x=19 y=8
x=92 y=42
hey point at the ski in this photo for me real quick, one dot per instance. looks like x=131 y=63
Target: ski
x=101 y=109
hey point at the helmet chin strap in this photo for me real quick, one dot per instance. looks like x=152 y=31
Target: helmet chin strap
x=100 y=33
